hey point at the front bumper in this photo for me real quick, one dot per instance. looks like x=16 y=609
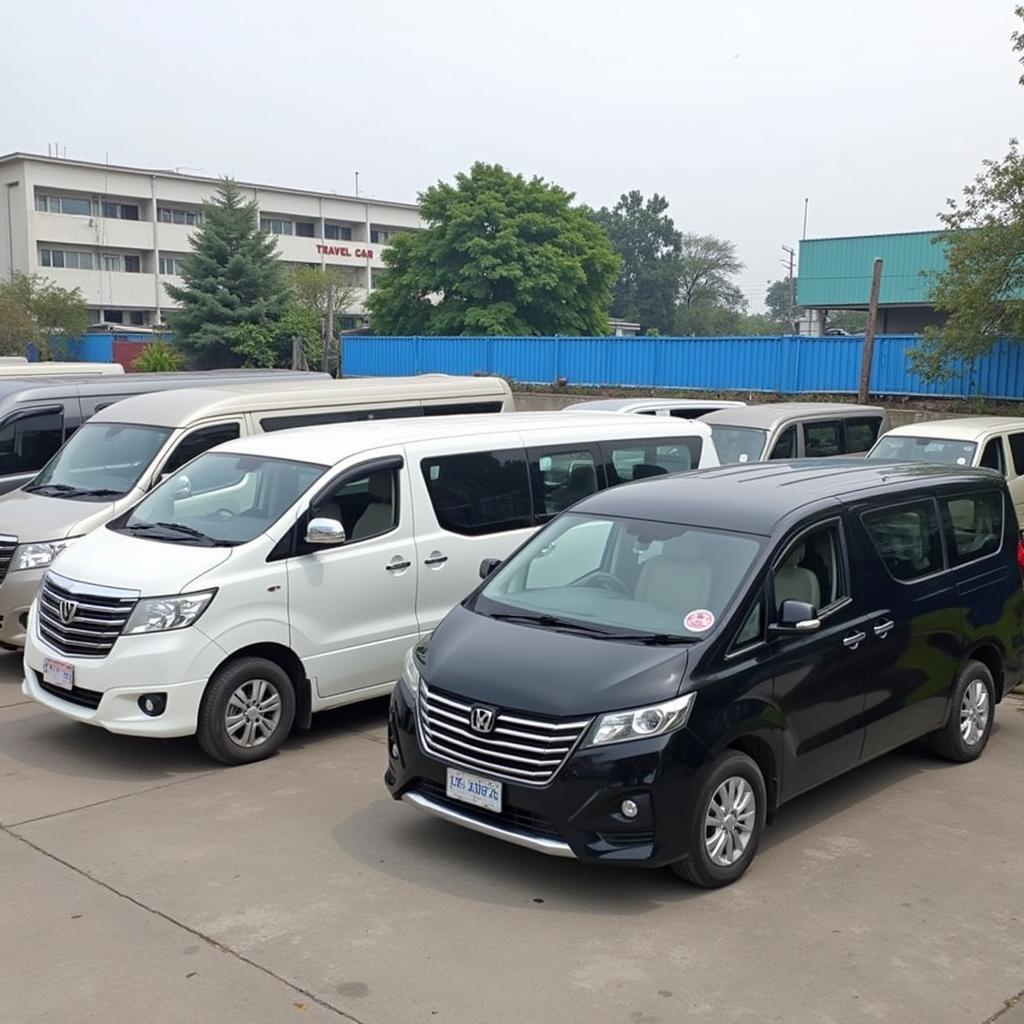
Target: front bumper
x=177 y=663
x=17 y=592
x=577 y=814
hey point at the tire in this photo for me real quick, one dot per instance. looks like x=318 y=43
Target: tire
x=971 y=714
x=247 y=683
x=732 y=775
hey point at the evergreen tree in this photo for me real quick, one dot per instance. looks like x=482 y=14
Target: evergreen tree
x=232 y=279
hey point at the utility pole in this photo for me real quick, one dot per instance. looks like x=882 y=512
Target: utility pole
x=869 y=334
x=792 y=296
x=357 y=187
x=806 y=202
x=329 y=328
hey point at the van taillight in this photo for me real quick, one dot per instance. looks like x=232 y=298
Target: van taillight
x=1020 y=554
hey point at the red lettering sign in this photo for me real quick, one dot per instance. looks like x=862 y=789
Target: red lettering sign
x=342 y=250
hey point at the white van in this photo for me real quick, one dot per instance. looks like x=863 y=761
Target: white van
x=281 y=575
x=123 y=451
x=16 y=366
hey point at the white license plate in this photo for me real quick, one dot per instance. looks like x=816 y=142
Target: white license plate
x=472 y=789
x=58 y=673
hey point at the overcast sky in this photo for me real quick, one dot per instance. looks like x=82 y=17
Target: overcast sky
x=735 y=110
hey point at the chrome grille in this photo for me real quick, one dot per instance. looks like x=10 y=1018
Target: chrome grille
x=100 y=614
x=519 y=748
x=7 y=546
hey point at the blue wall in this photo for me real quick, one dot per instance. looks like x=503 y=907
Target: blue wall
x=92 y=348
x=785 y=365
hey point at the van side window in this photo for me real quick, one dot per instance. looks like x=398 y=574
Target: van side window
x=861 y=434
x=813 y=570
x=822 y=440
x=313 y=419
x=976 y=525
x=1017 y=452
x=367 y=505
x=198 y=442
x=561 y=478
x=480 y=492
x=907 y=539
x=460 y=408
x=992 y=456
x=638 y=459
x=785 y=447
x=27 y=441
x=752 y=629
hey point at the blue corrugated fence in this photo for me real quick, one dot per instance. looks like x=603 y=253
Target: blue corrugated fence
x=785 y=365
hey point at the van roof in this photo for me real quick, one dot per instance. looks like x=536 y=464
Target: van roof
x=182 y=407
x=961 y=428
x=770 y=415
x=756 y=497
x=330 y=444
x=618 y=404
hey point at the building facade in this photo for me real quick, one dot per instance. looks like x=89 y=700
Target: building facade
x=119 y=234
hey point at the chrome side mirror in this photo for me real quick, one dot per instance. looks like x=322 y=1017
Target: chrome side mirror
x=796 y=617
x=325 y=531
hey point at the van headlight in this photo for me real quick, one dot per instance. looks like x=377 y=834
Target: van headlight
x=638 y=724
x=38 y=555
x=410 y=679
x=157 y=614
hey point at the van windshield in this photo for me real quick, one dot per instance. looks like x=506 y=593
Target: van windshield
x=924 y=449
x=738 y=444
x=220 y=500
x=622 y=579
x=101 y=461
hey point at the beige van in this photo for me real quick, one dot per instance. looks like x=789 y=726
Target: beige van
x=124 y=450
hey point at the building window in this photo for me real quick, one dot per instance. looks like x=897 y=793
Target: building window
x=113 y=316
x=175 y=215
x=305 y=229
x=378 y=236
x=138 y=318
x=119 y=263
x=120 y=211
x=172 y=265
x=67 y=259
x=375 y=278
x=74 y=205
x=338 y=232
x=275 y=226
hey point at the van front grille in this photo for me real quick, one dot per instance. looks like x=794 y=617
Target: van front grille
x=520 y=747
x=7 y=546
x=97 y=616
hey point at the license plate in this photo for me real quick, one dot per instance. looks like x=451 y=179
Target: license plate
x=472 y=789
x=58 y=673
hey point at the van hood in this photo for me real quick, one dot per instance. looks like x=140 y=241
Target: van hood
x=36 y=517
x=153 y=568
x=528 y=668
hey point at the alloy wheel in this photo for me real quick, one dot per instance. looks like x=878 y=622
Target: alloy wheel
x=252 y=713
x=974 y=712
x=729 y=821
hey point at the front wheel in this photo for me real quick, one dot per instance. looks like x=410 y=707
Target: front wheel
x=727 y=822
x=966 y=732
x=247 y=711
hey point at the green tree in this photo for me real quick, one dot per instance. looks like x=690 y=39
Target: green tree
x=231 y=277
x=500 y=255
x=317 y=291
x=649 y=247
x=776 y=298
x=34 y=310
x=710 y=303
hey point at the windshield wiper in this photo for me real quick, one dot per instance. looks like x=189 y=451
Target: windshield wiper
x=99 y=492
x=59 y=488
x=177 y=531
x=68 y=491
x=654 y=639
x=550 y=622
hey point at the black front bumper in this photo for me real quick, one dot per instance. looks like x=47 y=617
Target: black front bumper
x=576 y=814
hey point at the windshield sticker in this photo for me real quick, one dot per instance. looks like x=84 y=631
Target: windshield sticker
x=961 y=461
x=700 y=620
x=744 y=456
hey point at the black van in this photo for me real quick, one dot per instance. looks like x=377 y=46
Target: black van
x=38 y=414
x=647 y=679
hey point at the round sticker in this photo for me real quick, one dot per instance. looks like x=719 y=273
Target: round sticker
x=700 y=620
x=961 y=461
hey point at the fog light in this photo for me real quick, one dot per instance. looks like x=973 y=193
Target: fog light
x=629 y=809
x=394 y=751
x=153 y=704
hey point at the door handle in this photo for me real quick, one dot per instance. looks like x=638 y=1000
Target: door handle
x=854 y=640
x=882 y=629
x=436 y=558
x=397 y=566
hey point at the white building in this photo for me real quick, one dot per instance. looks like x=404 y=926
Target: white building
x=120 y=233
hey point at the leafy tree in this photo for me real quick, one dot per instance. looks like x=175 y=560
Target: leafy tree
x=500 y=255
x=270 y=345
x=158 y=357
x=35 y=310
x=231 y=277
x=649 y=247
x=777 y=300
x=706 y=266
x=853 y=321
x=319 y=290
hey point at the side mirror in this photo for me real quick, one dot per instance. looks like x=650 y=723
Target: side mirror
x=487 y=566
x=325 y=531
x=795 y=617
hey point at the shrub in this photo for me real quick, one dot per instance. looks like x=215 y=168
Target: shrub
x=158 y=357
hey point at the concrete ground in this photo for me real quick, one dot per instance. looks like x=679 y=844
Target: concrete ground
x=140 y=883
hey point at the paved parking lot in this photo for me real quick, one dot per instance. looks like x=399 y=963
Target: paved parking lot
x=141 y=883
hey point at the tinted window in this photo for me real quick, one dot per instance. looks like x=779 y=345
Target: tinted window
x=480 y=492
x=198 y=442
x=460 y=408
x=813 y=570
x=639 y=459
x=28 y=441
x=861 y=434
x=823 y=440
x=976 y=525
x=992 y=456
x=738 y=444
x=1017 y=451
x=907 y=539
x=752 y=629
x=692 y=412
x=900 y=448
x=367 y=505
x=312 y=419
x=785 y=447
x=561 y=478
